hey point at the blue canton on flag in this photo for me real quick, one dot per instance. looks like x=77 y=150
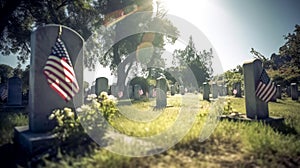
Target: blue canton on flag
x=265 y=89
x=60 y=73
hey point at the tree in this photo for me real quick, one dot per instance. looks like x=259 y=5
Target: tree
x=20 y=17
x=6 y=72
x=291 y=51
x=200 y=62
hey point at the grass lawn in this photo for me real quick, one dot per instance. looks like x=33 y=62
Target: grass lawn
x=231 y=144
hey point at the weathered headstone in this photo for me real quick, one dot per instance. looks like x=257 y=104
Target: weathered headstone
x=114 y=90
x=221 y=90
x=278 y=92
x=151 y=91
x=42 y=99
x=255 y=108
x=288 y=91
x=130 y=91
x=225 y=90
x=238 y=88
x=173 y=90
x=136 y=92
x=205 y=91
x=181 y=90
x=101 y=85
x=294 y=91
x=214 y=90
x=14 y=97
x=161 y=92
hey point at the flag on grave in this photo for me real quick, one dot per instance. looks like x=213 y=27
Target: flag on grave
x=59 y=71
x=265 y=89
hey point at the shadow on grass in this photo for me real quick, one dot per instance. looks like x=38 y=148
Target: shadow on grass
x=283 y=128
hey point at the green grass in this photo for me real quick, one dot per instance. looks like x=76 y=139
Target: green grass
x=8 y=120
x=232 y=144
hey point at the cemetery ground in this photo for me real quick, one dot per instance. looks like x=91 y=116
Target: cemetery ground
x=232 y=144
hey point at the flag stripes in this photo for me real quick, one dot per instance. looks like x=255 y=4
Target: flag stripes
x=59 y=72
x=265 y=89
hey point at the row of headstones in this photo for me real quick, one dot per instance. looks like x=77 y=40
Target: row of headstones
x=292 y=91
x=12 y=92
x=219 y=90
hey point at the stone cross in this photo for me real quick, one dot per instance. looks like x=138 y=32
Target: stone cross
x=255 y=108
x=294 y=91
x=205 y=91
x=101 y=85
x=161 y=92
x=14 y=97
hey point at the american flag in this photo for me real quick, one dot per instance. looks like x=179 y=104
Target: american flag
x=265 y=89
x=141 y=92
x=60 y=73
x=4 y=93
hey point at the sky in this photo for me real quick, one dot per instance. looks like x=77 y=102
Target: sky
x=233 y=27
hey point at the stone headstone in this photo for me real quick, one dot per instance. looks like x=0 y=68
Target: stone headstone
x=238 y=87
x=221 y=90
x=173 y=90
x=294 y=91
x=255 y=108
x=136 y=92
x=161 y=92
x=214 y=90
x=181 y=90
x=130 y=91
x=101 y=85
x=288 y=91
x=278 y=92
x=43 y=100
x=205 y=91
x=225 y=90
x=93 y=89
x=151 y=91
x=14 y=94
x=114 y=90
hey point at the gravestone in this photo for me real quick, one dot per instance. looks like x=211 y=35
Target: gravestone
x=114 y=90
x=101 y=85
x=221 y=90
x=130 y=91
x=151 y=91
x=181 y=90
x=161 y=92
x=93 y=90
x=42 y=99
x=214 y=90
x=278 y=92
x=225 y=90
x=288 y=91
x=205 y=91
x=255 y=108
x=173 y=90
x=238 y=89
x=136 y=92
x=294 y=91
x=14 y=94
